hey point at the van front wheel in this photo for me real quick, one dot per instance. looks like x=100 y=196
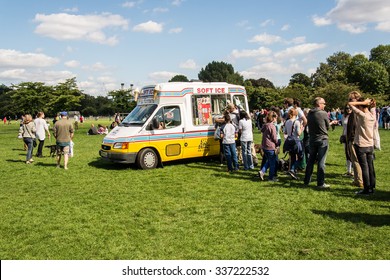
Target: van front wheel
x=147 y=159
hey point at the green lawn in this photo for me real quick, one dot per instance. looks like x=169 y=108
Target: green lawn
x=186 y=210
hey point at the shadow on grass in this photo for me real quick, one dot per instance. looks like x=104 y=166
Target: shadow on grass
x=369 y=219
x=107 y=165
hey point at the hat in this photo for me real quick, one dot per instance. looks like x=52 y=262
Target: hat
x=63 y=113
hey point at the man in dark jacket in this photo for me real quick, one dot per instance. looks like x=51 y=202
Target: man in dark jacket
x=318 y=124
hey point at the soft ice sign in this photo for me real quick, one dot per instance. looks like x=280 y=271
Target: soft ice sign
x=211 y=90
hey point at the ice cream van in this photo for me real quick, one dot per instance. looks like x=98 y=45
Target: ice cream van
x=171 y=121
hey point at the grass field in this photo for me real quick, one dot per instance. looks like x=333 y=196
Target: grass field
x=186 y=210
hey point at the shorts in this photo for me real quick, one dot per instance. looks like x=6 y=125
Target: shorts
x=61 y=150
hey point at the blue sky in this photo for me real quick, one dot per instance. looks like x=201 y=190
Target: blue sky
x=106 y=43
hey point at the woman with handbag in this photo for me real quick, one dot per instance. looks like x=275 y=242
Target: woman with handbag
x=27 y=132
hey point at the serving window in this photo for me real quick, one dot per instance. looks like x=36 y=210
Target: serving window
x=206 y=107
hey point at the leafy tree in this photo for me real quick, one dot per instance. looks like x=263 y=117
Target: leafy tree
x=179 y=78
x=5 y=101
x=220 y=72
x=381 y=54
x=30 y=97
x=122 y=100
x=300 y=92
x=300 y=78
x=66 y=97
x=261 y=97
x=262 y=82
x=335 y=93
x=373 y=78
x=354 y=68
x=335 y=69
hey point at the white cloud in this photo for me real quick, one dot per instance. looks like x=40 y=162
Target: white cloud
x=262 y=51
x=48 y=77
x=321 y=21
x=162 y=75
x=383 y=26
x=79 y=27
x=177 y=2
x=299 y=50
x=149 y=27
x=160 y=10
x=72 y=63
x=188 y=64
x=175 y=30
x=299 y=40
x=355 y=15
x=285 y=27
x=267 y=22
x=129 y=4
x=265 y=38
x=13 y=58
x=71 y=10
x=352 y=28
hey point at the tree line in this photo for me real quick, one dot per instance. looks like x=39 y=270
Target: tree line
x=333 y=79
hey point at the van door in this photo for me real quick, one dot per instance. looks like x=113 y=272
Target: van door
x=167 y=132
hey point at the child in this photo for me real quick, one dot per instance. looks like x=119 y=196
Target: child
x=228 y=135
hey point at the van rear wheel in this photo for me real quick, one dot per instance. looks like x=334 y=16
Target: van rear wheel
x=147 y=159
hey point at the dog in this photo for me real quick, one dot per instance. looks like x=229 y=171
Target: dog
x=53 y=149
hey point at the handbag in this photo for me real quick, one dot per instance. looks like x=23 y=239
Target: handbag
x=343 y=139
x=290 y=145
x=377 y=139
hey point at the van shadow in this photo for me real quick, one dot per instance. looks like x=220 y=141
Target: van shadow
x=368 y=219
x=107 y=165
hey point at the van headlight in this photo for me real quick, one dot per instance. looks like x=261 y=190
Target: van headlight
x=121 y=145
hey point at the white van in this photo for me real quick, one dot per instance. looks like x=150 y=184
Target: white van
x=171 y=121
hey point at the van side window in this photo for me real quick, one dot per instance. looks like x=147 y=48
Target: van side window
x=239 y=101
x=168 y=117
x=205 y=108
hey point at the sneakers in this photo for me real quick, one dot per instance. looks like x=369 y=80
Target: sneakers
x=348 y=174
x=261 y=175
x=365 y=192
x=293 y=175
x=324 y=187
x=273 y=180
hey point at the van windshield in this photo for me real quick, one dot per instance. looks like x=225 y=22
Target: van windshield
x=139 y=115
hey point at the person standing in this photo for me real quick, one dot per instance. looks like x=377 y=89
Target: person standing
x=269 y=145
x=245 y=129
x=27 y=132
x=294 y=128
x=351 y=129
x=365 y=112
x=42 y=129
x=228 y=135
x=63 y=132
x=318 y=124
x=343 y=140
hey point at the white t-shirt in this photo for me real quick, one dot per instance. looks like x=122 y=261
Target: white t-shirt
x=246 y=130
x=229 y=134
x=41 y=126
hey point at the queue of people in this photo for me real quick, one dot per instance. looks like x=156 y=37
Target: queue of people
x=307 y=132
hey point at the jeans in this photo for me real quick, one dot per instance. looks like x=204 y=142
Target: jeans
x=365 y=157
x=40 y=147
x=231 y=156
x=318 y=151
x=247 y=154
x=271 y=158
x=29 y=142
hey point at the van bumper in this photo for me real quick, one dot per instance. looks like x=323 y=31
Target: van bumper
x=118 y=157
